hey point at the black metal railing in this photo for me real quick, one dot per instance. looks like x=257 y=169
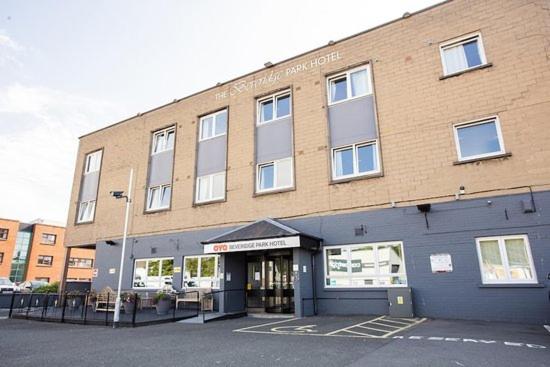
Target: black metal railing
x=137 y=308
x=235 y=306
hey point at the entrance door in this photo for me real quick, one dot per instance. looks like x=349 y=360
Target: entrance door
x=270 y=281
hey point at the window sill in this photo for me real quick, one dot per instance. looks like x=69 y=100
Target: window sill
x=364 y=289
x=204 y=203
x=513 y=285
x=48 y=244
x=479 y=67
x=82 y=223
x=43 y=266
x=274 y=191
x=156 y=211
x=498 y=156
x=356 y=178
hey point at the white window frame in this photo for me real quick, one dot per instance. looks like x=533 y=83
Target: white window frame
x=354 y=148
x=275 y=164
x=48 y=240
x=163 y=148
x=494 y=119
x=147 y=271
x=159 y=193
x=347 y=74
x=79 y=218
x=275 y=99
x=215 y=278
x=349 y=276
x=504 y=258
x=460 y=41
x=210 y=179
x=88 y=168
x=42 y=257
x=215 y=122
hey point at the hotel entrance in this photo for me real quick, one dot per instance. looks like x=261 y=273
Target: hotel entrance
x=270 y=282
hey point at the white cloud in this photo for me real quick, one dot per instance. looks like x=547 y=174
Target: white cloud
x=40 y=128
x=9 y=51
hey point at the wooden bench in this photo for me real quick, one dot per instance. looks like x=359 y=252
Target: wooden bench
x=190 y=296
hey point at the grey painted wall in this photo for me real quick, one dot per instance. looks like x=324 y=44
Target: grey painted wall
x=352 y=121
x=212 y=155
x=274 y=140
x=453 y=229
x=160 y=171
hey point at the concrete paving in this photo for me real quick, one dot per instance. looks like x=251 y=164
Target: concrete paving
x=285 y=342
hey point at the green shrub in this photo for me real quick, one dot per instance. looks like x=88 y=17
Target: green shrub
x=48 y=288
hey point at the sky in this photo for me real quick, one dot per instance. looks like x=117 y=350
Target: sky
x=70 y=67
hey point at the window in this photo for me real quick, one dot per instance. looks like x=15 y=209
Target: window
x=201 y=271
x=4 y=234
x=275 y=175
x=211 y=187
x=86 y=211
x=75 y=262
x=158 y=197
x=43 y=279
x=462 y=54
x=355 y=160
x=163 y=140
x=1 y=257
x=505 y=259
x=365 y=265
x=93 y=162
x=213 y=125
x=350 y=84
x=274 y=107
x=48 y=239
x=153 y=273
x=45 y=260
x=479 y=139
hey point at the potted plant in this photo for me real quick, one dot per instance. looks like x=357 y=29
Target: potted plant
x=162 y=301
x=129 y=302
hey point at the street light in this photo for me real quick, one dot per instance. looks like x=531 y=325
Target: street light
x=120 y=195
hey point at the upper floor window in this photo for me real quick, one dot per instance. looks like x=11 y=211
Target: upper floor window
x=75 y=262
x=274 y=107
x=48 y=239
x=355 y=160
x=93 y=162
x=213 y=125
x=158 y=197
x=211 y=187
x=153 y=273
x=275 y=175
x=86 y=211
x=506 y=259
x=43 y=279
x=349 y=84
x=462 y=54
x=45 y=260
x=163 y=140
x=1 y=257
x=479 y=139
x=4 y=234
x=365 y=265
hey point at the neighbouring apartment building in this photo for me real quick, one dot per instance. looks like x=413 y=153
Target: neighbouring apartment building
x=35 y=251
x=413 y=155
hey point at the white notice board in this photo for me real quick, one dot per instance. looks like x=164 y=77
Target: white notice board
x=441 y=263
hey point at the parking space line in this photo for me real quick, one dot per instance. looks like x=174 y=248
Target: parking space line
x=362 y=334
x=352 y=326
x=396 y=322
x=371 y=328
x=267 y=324
x=386 y=325
x=405 y=327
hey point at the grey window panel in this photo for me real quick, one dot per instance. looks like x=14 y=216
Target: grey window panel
x=274 y=140
x=88 y=190
x=211 y=156
x=160 y=168
x=352 y=121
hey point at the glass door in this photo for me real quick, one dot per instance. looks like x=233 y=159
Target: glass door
x=255 y=284
x=279 y=291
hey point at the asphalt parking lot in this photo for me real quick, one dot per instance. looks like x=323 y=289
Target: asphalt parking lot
x=314 y=341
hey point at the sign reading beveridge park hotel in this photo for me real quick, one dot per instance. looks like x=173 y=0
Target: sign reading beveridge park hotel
x=407 y=160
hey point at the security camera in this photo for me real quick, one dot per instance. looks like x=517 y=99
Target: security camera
x=117 y=194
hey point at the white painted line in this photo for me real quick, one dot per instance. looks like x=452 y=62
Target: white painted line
x=355 y=332
x=385 y=325
x=395 y=322
x=269 y=323
x=352 y=326
x=547 y=327
x=371 y=328
x=404 y=328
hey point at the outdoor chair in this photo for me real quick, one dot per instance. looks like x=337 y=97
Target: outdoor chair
x=190 y=296
x=105 y=300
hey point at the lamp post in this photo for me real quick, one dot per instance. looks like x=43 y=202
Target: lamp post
x=120 y=195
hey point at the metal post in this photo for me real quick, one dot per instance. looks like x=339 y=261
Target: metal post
x=11 y=304
x=135 y=309
x=107 y=309
x=29 y=307
x=86 y=307
x=45 y=306
x=116 y=315
x=64 y=306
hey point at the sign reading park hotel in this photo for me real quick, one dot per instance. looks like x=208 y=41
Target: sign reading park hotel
x=266 y=244
x=276 y=76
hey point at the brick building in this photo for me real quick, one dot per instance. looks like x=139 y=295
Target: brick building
x=413 y=155
x=35 y=251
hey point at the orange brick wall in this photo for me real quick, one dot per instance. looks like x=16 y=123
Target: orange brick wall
x=6 y=247
x=57 y=250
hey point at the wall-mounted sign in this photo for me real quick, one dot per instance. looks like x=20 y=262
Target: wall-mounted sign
x=112 y=270
x=276 y=76
x=441 y=263
x=267 y=244
x=94 y=273
x=177 y=269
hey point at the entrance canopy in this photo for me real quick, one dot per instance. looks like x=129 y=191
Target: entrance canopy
x=262 y=235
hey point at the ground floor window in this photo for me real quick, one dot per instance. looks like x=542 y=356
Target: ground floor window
x=365 y=265
x=201 y=271
x=506 y=259
x=153 y=273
